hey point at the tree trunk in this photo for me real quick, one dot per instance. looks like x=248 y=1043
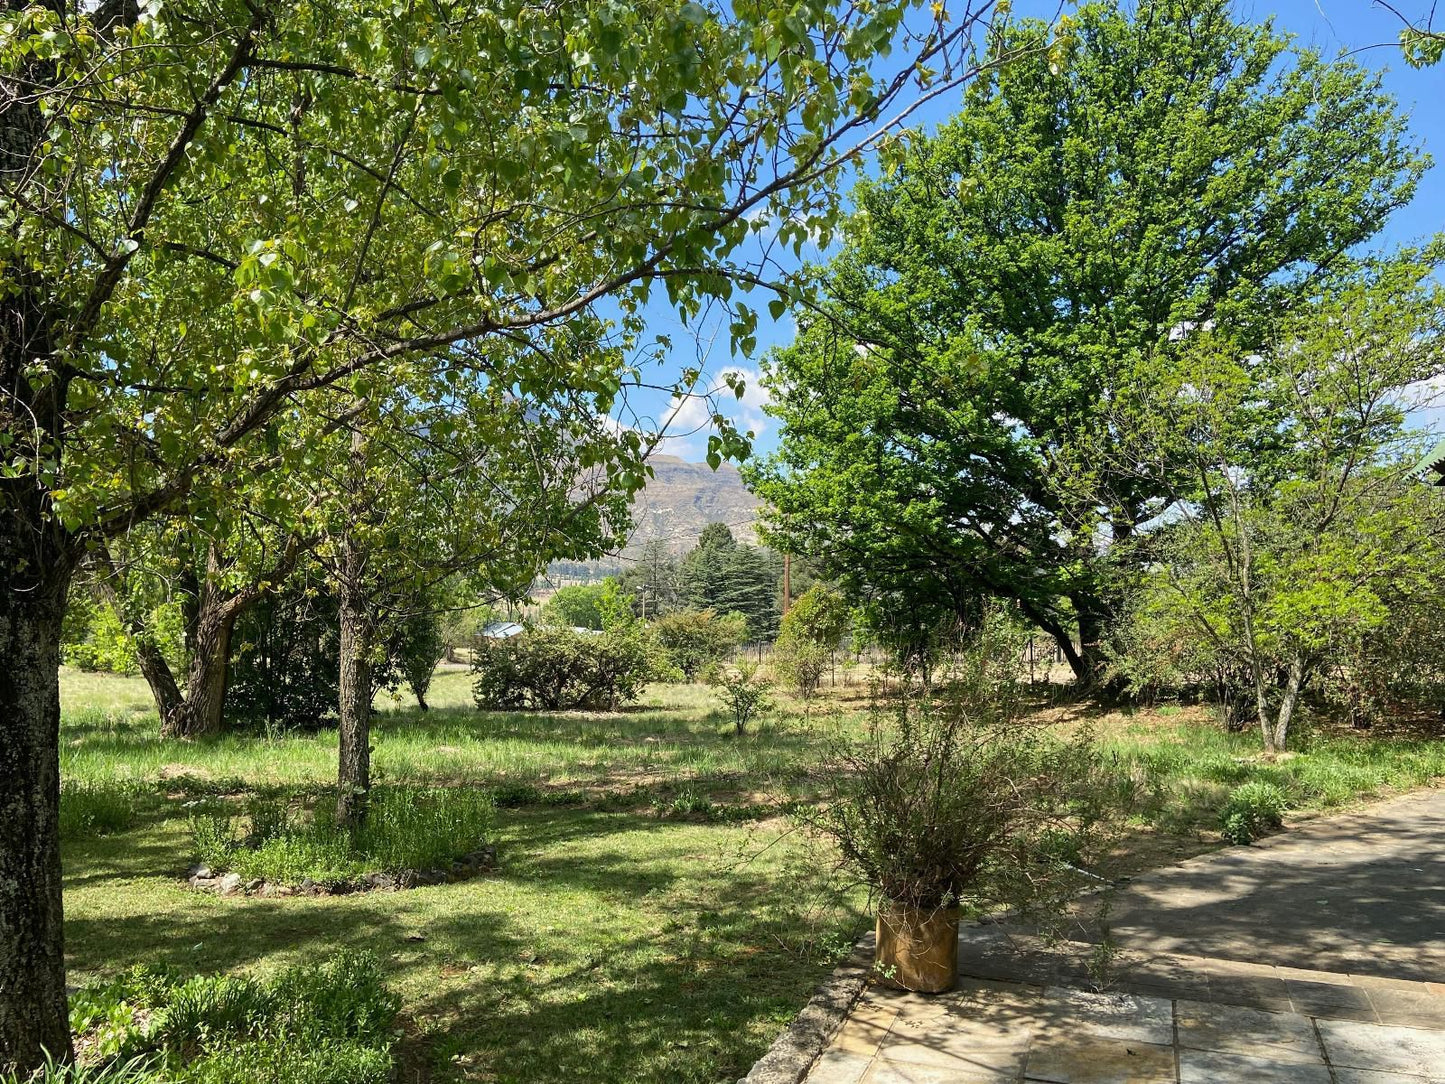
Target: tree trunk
x=157 y=672
x=200 y=714
x=353 y=776
x=209 y=626
x=153 y=665
x=1293 y=686
x=34 y=579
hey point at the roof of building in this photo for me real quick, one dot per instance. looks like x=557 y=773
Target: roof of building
x=502 y=630
x=1432 y=468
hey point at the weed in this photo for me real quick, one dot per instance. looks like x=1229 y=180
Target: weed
x=1252 y=810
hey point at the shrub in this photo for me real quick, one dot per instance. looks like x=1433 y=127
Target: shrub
x=286 y=667
x=1252 y=810
x=694 y=639
x=331 y=1024
x=212 y=839
x=963 y=801
x=344 y=998
x=208 y=1008
x=415 y=647
x=742 y=691
x=93 y=638
x=800 y=662
x=550 y=668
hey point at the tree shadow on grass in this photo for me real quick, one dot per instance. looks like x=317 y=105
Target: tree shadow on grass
x=643 y=961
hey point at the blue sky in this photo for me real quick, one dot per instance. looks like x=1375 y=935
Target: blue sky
x=1360 y=27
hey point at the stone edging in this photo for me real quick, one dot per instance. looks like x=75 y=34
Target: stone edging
x=794 y=1051
x=484 y=860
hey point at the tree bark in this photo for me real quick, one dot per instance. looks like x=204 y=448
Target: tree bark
x=1293 y=685
x=353 y=764
x=153 y=665
x=201 y=713
x=34 y=579
x=353 y=775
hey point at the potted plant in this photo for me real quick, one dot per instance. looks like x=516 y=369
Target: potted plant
x=953 y=802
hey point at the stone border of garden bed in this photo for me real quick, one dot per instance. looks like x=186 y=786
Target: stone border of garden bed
x=483 y=860
x=796 y=1049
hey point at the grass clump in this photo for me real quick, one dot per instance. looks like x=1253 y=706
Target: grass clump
x=1252 y=810
x=406 y=828
x=327 y=1024
x=97 y=807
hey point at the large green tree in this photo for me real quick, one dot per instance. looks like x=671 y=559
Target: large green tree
x=212 y=211
x=1022 y=273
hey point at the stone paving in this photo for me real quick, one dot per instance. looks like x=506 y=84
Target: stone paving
x=1312 y=958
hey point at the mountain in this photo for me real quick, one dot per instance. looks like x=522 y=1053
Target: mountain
x=684 y=498
x=673 y=508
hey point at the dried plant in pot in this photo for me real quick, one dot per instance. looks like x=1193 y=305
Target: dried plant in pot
x=953 y=802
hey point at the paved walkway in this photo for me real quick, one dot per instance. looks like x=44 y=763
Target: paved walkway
x=1317 y=957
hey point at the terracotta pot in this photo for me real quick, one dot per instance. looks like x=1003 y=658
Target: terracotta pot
x=917 y=949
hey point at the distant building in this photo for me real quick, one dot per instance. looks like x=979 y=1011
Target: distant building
x=1431 y=469
x=502 y=630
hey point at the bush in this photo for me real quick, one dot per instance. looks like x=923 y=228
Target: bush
x=415 y=647
x=1252 y=810
x=331 y=1024
x=694 y=639
x=742 y=691
x=962 y=801
x=800 y=662
x=550 y=668
x=286 y=668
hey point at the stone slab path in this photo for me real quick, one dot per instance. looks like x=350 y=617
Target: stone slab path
x=1317 y=957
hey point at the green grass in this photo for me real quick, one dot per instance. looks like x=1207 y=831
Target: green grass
x=653 y=918
x=407 y=828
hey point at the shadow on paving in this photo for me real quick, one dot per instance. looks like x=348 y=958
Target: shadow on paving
x=1361 y=893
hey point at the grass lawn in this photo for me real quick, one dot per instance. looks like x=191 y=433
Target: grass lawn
x=652 y=919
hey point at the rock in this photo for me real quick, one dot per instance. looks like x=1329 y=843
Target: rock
x=409 y=878
x=230 y=885
x=483 y=858
x=309 y=887
x=203 y=884
x=254 y=884
x=202 y=872
x=379 y=881
x=281 y=890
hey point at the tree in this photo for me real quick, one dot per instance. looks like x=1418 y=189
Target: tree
x=1023 y=273
x=655 y=580
x=694 y=639
x=810 y=633
x=576 y=605
x=241 y=205
x=1298 y=524
x=720 y=573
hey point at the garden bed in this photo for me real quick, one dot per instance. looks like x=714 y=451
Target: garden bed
x=221 y=883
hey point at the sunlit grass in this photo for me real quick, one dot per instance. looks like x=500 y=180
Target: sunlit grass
x=653 y=918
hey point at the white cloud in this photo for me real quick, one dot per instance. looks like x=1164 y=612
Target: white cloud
x=689 y=418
